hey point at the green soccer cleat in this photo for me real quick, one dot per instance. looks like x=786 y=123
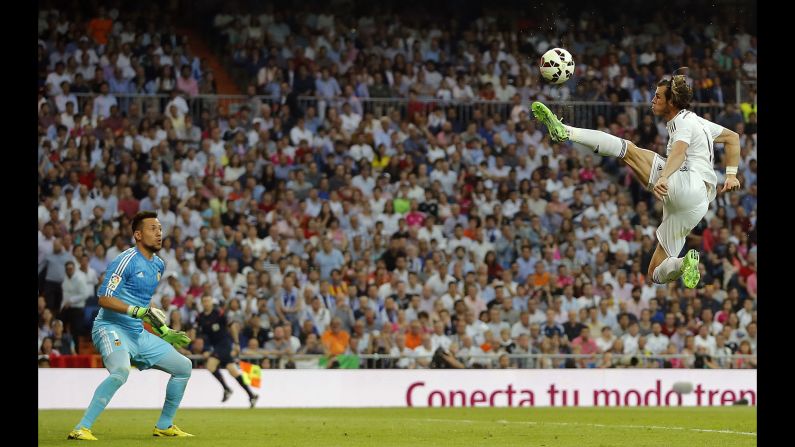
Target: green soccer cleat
x=690 y=273
x=171 y=432
x=81 y=434
x=557 y=130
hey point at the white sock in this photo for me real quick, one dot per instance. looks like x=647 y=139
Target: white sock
x=669 y=270
x=602 y=143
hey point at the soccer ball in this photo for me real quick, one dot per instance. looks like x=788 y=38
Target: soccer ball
x=557 y=66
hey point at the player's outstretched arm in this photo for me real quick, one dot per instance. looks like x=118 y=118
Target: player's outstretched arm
x=731 y=141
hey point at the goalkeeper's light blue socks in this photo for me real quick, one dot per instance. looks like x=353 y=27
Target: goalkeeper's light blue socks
x=180 y=368
x=118 y=363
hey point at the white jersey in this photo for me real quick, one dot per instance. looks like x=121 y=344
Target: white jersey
x=700 y=135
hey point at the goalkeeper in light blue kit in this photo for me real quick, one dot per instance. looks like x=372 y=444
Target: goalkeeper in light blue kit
x=119 y=335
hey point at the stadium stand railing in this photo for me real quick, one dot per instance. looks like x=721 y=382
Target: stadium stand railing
x=578 y=113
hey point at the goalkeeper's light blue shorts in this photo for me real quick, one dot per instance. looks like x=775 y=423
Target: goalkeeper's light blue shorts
x=145 y=349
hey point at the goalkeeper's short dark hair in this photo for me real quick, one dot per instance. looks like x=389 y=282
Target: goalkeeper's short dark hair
x=139 y=219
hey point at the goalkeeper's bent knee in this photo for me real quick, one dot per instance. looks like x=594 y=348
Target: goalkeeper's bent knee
x=184 y=368
x=118 y=364
x=120 y=375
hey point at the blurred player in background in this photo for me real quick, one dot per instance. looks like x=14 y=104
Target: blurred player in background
x=222 y=348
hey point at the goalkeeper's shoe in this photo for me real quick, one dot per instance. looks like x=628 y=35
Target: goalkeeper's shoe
x=690 y=273
x=557 y=130
x=171 y=432
x=81 y=434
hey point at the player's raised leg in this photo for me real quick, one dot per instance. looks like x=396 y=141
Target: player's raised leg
x=639 y=160
x=118 y=364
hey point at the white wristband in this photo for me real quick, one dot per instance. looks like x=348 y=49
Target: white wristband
x=731 y=170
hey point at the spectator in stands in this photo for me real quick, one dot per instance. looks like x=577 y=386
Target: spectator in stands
x=606 y=340
x=61 y=341
x=45 y=325
x=56 y=273
x=335 y=339
x=75 y=291
x=328 y=259
x=47 y=348
x=745 y=362
x=207 y=85
x=103 y=102
x=751 y=336
x=186 y=83
x=279 y=345
x=573 y=327
x=584 y=341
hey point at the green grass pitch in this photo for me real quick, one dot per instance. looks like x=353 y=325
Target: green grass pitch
x=717 y=426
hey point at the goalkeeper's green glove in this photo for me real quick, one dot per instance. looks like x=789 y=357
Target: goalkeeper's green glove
x=137 y=311
x=157 y=319
x=177 y=339
x=154 y=316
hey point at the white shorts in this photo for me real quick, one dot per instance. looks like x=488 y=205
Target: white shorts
x=684 y=207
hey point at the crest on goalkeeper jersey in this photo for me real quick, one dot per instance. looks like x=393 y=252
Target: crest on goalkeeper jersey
x=115 y=280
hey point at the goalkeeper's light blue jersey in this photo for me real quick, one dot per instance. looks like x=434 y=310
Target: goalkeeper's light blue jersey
x=133 y=279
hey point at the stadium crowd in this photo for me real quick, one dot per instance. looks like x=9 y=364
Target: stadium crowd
x=378 y=55
x=328 y=227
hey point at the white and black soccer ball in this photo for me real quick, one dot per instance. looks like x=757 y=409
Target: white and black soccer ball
x=557 y=66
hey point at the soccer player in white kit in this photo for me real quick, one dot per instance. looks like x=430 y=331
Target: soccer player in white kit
x=685 y=182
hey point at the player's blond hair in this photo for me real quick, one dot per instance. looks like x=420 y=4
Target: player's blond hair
x=677 y=92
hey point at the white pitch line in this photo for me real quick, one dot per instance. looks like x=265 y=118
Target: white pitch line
x=584 y=424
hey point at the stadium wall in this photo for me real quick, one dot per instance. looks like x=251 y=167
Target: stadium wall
x=72 y=388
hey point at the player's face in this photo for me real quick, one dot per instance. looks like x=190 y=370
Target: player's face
x=151 y=234
x=659 y=105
